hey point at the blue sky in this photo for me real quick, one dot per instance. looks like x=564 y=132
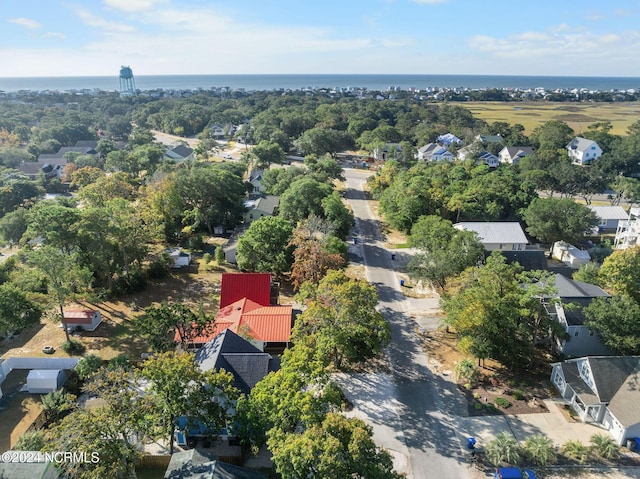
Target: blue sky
x=514 y=37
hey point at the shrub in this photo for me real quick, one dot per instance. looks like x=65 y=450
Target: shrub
x=575 y=450
x=57 y=404
x=121 y=361
x=518 y=394
x=604 y=447
x=512 y=383
x=476 y=396
x=467 y=370
x=160 y=267
x=88 y=365
x=30 y=441
x=72 y=347
x=196 y=243
x=477 y=406
x=504 y=448
x=502 y=402
x=220 y=256
x=540 y=450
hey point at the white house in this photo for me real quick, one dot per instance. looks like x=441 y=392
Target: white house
x=489 y=158
x=449 y=138
x=583 y=151
x=87 y=319
x=610 y=216
x=628 y=232
x=513 y=154
x=497 y=236
x=263 y=206
x=434 y=152
x=602 y=389
x=387 y=152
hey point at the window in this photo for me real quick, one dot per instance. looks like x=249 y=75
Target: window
x=577 y=333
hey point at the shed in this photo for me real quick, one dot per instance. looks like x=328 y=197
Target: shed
x=179 y=258
x=570 y=255
x=43 y=381
x=87 y=319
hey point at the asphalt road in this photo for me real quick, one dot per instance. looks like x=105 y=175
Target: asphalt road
x=426 y=416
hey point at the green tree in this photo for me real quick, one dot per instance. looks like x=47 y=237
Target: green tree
x=31 y=441
x=552 y=135
x=88 y=365
x=16 y=310
x=303 y=199
x=65 y=277
x=620 y=272
x=334 y=211
x=443 y=251
x=340 y=448
x=467 y=370
x=267 y=153
x=56 y=223
x=553 y=219
x=162 y=325
x=503 y=449
x=318 y=141
x=13 y=226
x=219 y=255
x=343 y=321
x=265 y=246
x=496 y=311
x=588 y=273
x=539 y=449
x=617 y=319
x=179 y=388
x=57 y=404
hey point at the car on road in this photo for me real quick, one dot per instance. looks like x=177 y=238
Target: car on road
x=513 y=473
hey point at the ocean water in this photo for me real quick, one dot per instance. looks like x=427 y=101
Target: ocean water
x=274 y=82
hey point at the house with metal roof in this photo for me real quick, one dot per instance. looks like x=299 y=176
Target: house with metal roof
x=513 y=154
x=254 y=286
x=610 y=216
x=583 y=151
x=497 y=235
x=86 y=319
x=602 y=389
x=269 y=327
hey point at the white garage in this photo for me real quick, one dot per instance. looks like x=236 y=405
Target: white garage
x=43 y=381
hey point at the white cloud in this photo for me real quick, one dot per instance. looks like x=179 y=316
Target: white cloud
x=397 y=42
x=25 y=22
x=134 y=5
x=58 y=35
x=92 y=20
x=429 y=2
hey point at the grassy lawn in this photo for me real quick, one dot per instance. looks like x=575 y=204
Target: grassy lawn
x=577 y=115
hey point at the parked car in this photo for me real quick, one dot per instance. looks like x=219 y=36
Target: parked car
x=513 y=473
x=48 y=350
x=227 y=156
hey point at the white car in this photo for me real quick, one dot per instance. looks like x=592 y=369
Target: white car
x=227 y=156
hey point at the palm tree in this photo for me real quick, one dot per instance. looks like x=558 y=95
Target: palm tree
x=467 y=370
x=540 y=449
x=575 y=450
x=504 y=448
x=604 y=447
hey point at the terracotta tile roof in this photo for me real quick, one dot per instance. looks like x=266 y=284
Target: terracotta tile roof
x=269 y=324
x=255 y=286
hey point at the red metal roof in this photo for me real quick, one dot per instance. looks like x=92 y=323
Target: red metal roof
x=270 y=324
x=254 y=286
x=79 y=316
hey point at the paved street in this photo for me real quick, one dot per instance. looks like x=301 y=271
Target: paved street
x=424 y=418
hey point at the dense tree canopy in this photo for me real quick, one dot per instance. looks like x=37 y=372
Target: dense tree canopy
x=553 y=219
x=264 y=247
x=617 y=319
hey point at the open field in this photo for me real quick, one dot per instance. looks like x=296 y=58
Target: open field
x=577 y=115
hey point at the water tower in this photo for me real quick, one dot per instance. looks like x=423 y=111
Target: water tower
x=127 y=83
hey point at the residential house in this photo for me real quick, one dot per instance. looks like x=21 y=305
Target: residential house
x=269 y=327
x=569 y=254
x=583 y=151
x=236 y=355
x=567 y=309
x=497 y=235
x=448 y=139
x=48 y=168
x=195 y=464
x=255 y=178
x=179 y=153
x=217 y=131
x=603 y=390
x=29 y=470
x=489 y=139
x=254 y=286
x=628 y=232
x=475 y=151
x=86 y=319
x=610 y=217
x=388 y=152
x=489 y=158
x=434 y=152
x=259 y=207
x=513 y=154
